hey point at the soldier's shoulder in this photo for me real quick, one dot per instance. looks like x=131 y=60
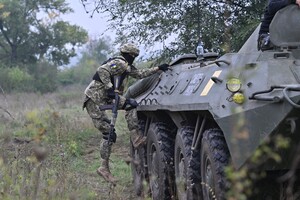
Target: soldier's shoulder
x=117 y=63
x=118 y=60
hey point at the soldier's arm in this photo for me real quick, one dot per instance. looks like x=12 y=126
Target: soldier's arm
x=142 y=73
x=275 y=5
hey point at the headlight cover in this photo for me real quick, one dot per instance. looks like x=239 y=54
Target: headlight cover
x=234 y=85
x=238 y=98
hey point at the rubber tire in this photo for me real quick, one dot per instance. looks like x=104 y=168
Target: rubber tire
x=160 y=152
x=183 y=144
x=139 y=174
x=138 y=171
x=194 y=176
x=141 y=86
x=214 y=158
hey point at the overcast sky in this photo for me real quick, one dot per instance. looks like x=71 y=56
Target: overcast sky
x=95 y=26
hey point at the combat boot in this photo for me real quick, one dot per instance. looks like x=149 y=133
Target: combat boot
x=137 y=139
x=105 y=172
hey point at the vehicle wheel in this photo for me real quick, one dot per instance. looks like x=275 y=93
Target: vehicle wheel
x=137 y=169
x=137 y=164
x=183 y=145
x=214 y=158
x=160 y=152
x=141 y=86
x=194 y=176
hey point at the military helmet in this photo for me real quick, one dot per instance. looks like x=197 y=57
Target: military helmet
x=130 y=48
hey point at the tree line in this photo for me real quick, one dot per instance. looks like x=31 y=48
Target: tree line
x=223 y=25
x=34 y=41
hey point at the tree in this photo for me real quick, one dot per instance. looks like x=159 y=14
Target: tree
x=26 y=37
x=96 y=51
x=219 y=22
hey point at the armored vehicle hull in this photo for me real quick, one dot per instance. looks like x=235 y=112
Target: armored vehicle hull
x=207 y=114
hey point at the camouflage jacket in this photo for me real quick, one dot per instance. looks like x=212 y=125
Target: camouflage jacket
x=97 y=91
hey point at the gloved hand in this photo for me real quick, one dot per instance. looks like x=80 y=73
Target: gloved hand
x=113 y=137
x=130 y=104
x=164 y=67
x=263 y=42
x=110 y=93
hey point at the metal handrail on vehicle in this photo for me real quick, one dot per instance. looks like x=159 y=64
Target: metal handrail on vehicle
x=277 y=99
x=286 y=96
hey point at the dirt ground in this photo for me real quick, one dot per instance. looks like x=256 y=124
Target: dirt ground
x=103 y=189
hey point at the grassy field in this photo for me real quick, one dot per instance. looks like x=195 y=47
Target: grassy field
x=50 y=149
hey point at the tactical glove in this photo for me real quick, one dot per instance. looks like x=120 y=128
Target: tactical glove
x=164 y=67
x=130 y=104
x=110 y=93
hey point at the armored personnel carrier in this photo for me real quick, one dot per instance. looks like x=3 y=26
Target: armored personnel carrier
x=206 y=114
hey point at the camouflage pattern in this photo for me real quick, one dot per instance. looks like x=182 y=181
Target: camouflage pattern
x=105 y=149
x=130 y=48
x=133 y=126
x=100 y=118
x=132 y=120
x=96 y=95
x=101 y=122
x=97 y=90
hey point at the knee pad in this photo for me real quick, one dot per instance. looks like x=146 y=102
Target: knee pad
x=111 y=137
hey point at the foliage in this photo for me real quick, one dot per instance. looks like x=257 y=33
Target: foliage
x=25 y=37
x=39 y=77
x=44 y=177
x=65 y=135
x=222 y=24
x=45 y=76
x=95 y=52
x=97 y=49
x=248 y=181
x=15 y=79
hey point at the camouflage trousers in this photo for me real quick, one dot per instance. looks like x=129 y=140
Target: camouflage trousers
x=101 y=122
x=133 y=125
x=132 y=120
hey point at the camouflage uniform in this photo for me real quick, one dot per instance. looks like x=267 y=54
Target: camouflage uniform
x=96 y=95
x=136 y=136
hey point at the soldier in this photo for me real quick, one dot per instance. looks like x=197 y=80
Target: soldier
x=269 y=13
x=101 y=92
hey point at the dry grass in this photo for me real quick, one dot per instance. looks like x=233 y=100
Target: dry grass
x=50 y=149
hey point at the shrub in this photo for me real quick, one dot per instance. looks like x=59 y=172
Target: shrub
x=15 y=79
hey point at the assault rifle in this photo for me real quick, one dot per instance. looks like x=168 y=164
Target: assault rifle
x=114 y=108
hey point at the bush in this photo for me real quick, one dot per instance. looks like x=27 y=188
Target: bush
x=80 y=74
x=40 y=77
x=15 y=79
x=45 y=77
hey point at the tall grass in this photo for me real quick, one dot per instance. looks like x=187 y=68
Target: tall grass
x=50 y=149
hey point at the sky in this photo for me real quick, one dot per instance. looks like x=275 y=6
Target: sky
x=96 y=26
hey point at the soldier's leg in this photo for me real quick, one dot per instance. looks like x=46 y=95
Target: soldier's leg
x=136 y=136
x=102 y=123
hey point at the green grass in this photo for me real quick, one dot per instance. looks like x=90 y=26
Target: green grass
x=56 y=122
x=121 y=170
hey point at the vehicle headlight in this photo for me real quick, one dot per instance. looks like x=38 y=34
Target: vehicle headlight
x=234 y=85
x=238 y=98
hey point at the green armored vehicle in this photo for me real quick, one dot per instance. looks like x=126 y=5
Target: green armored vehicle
x=207 y=114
